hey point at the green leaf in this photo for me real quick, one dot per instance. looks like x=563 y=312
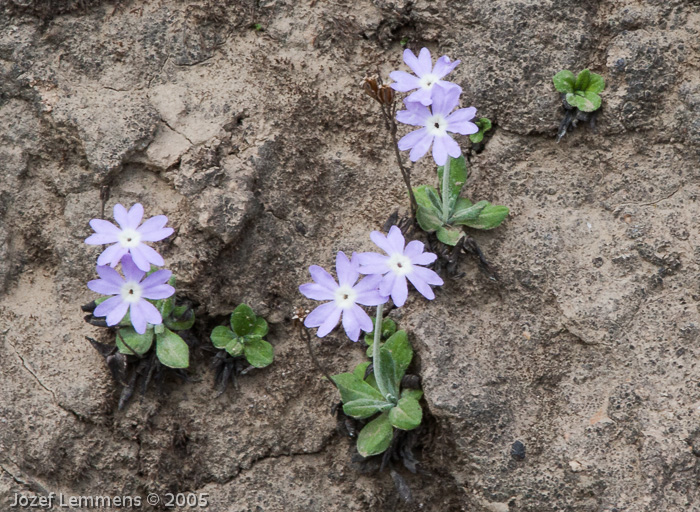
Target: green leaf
x=462 y=203
x=260 y=327
x=365 y=407
x=489 y=218
x=221 y=336
x=456 y=179
x=582 y=81
x=564 y=81
x=165 y=306
x=416 y=394
x=422 y=195
x=258 y=352
x=235 y=347
x=376 y=436
x=477 y=137
x=428 y=219
x=386 y=379
x=181 y=319
x=585 y=102
x=466 y=214
x=172 y=350
x=401 y=353
x=484 y=124
x=407 y=414
x=140 y=343
x=243 y=320
x=360 y=370
x=597 y=83
x=352 y=388
x=388 y=329
x=449 y=235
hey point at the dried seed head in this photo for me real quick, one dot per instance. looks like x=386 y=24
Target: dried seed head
x=386 y=95
x=371 y=87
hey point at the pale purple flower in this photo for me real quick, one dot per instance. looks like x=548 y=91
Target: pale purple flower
x=128 y=238
x=435 y=124
x=131 y=294
x=426 y=77
x=344 y=295
x=398 y=265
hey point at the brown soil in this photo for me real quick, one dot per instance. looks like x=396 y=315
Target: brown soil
x=266 y=156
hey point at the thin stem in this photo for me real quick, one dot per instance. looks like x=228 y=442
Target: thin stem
x=406 y=173
x=376 y=364
x=305 y=334
x=445 y=191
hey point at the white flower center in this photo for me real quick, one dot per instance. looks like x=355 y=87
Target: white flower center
x=345 y=297
x=131 y=292
x=428 y=80
x=400 y=264
x=436 y=125
x=129 y=238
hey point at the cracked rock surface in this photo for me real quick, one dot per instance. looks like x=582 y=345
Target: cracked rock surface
x=265 y=155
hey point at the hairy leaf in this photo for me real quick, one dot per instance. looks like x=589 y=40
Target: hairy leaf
x=222 y=336
x=140 y=343
x=172 y=350
x=258 y=352
x=407 y=414
x=243 y=320
x=353 y=388
x=564 y=81
x=365 y=407
x=376 y=436
x=490 y=217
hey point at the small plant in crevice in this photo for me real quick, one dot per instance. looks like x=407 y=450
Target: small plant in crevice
x=433 y=107
x=580 y=98
x=241 y=346
x=147 y=320
x=376 y=396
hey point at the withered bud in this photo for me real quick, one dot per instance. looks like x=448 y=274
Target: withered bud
x=382 y=93
x=371 y=87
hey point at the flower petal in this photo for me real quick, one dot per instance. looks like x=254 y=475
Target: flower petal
x=425 y=258
x=154 y=230
x=112 y=255
x=156 y=278
x=444 y=146
x=130 y=270
x=399 y=292
x=387 y=284
x=373 y=263
x=104 y=287
x=347 y=271
x=323 y=278
x=429 y=276
x=121 y=216
x=106 y=307
x=459 y=121
x=412 y=62
x=380 y=241
x=444 y=66
x=422 y=96
x=149 y=254
x=423 y=288
x=415 y=114
x=138 y=320
x=421 y=148
x=403 y=81
x=413 y=248
x=414 y=138
x=110 y=275
x=351 y=323
x=425 y=62
x=105 y=232
x=371 y=298
x=160 y=291
x=325 y=317
x=115 y=315
x=316 y=292
x=139 y=258
x=135 y=215
x=148 y=312
x=396 y=240
x=445 y=99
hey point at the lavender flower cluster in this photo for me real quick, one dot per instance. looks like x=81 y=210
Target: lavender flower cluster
x=431 y=106
x=387 y=276
x=130 y=293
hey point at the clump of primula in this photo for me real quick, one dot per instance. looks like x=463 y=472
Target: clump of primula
x=580 y=97
x=142 y=305
x=442 y=212
x=377 y=396
x=244 y=337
